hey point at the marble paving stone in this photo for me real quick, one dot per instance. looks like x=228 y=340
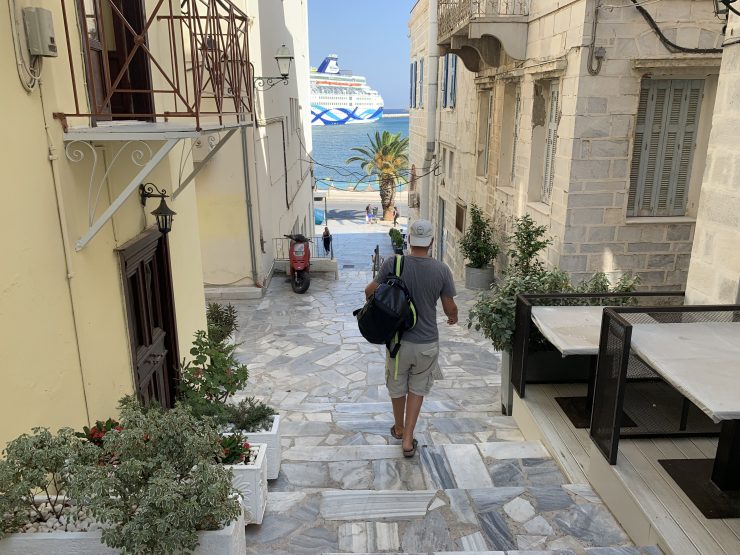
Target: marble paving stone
x=513 y=450
x=281 y=502
x=646 y=550
x=519 y=509
x=313 y=540
x=351 y=474
x=591 y=523
x=365 y=505
x=583 y=491
x=542 y=472
x=508 y=473
x=271 y=529
x=303 y=429
x=386 y=475
x=531 y=543
x=437 y=471
x=360 y=537
x=467 y=466
x=436 y=504
x=496 y=531
x=489 y=499
x=538 y=526
x=460 y=506
x=428 y=534
x=343 y=453
x=473 y=542
x=307 y=475
x=551 y=499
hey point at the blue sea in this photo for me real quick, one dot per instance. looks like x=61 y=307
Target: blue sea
x=332 y=146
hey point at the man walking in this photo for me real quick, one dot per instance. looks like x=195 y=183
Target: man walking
x=428 y=280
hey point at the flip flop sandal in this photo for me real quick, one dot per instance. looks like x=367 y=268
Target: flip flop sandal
x=411 y=452
x=394 y=434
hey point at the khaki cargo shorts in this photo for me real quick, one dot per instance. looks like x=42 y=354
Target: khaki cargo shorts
x=416 y=365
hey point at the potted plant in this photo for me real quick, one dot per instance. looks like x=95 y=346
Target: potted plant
x=222 y=322
x=479 y=248
x=149 y=484
x=247 y=464
x=262 y=424
x=209 y=382
x=396 y=240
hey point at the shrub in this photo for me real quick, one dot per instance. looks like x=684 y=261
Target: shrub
x=234 y=449
x=96 y=434
x=525 y=244
x=222 y=321
x=214 y=374
x=250 y=415
x=477 y=244
x=165 y=485
x=38 y=464
x=396 y=238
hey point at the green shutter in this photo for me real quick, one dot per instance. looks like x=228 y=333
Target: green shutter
x=665 y=136
x=517 y=108
x=551 y=144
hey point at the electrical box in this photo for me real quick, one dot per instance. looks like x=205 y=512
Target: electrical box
x=39 y=25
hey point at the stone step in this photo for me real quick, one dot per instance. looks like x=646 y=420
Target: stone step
x=383 y=467
x=645 y=550
x=566 y=517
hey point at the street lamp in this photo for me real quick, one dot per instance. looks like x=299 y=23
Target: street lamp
x=283 y=57
x=163 y=213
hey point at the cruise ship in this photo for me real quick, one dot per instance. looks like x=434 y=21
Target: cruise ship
x=338 y=97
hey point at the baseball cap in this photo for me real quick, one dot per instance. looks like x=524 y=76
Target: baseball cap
x=421 y=233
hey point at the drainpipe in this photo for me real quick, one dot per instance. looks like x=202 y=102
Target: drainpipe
x=431 y=112
x=250 y=217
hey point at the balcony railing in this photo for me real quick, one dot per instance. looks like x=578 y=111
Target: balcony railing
x=453 y=15
x=177 y=59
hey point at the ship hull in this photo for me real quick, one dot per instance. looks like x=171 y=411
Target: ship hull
x=344 y=116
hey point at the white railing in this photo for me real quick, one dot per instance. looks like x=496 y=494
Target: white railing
x=452 y=15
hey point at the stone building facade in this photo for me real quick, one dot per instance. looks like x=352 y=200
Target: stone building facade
x=714 y=273
x=598 y=129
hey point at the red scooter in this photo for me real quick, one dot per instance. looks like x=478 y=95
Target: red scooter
x=300 y=262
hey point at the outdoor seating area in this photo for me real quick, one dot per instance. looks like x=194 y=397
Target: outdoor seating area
x=629 y=391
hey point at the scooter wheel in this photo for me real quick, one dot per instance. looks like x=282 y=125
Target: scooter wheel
x=300 y=282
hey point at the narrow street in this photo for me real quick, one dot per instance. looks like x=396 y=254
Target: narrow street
x=344 y=486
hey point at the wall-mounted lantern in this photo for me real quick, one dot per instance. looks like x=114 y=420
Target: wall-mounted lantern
x=163 y=213
x=284 y=58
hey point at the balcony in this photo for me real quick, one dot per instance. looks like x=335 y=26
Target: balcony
x=155 y=67
x=481 y=31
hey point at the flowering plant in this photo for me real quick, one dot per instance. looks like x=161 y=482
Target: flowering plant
x=235 y=449
x=96 y=434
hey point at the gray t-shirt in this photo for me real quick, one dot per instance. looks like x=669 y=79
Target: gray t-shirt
x=427 y=280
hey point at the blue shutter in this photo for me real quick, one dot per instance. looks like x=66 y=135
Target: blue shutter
x=444 y=82
x=421 y=83
x=453 y=81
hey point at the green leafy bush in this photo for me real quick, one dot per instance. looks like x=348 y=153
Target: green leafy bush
x=164 y=486
x=525 y=245
x=250 y=415
x=234 y=449
x=96 y=434
x=37 y=469
x=396 y=238
x=222 y=321
x=214 y=374
x=478 y=244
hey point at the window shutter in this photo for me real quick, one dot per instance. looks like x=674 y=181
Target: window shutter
x=665 y=137
x=411 y=85
x=517 y=108
x=551 y=144
x=421 y=83
x=445 y=71
x=453 y=83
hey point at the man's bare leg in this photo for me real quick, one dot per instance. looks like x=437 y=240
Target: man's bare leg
x=399 y=407
x=413 y=408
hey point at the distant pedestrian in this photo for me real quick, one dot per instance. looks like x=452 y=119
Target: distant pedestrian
x=428 y=280
x=326 y=238
x=368 y=214
x=396 y=214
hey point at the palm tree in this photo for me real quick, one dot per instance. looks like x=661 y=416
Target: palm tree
x=384 y=158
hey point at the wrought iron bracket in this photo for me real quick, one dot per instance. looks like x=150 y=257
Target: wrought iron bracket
x=75 y=154
x=266 y=83
x=200 y=165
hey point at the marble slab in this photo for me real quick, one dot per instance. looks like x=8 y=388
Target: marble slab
x=368 y=505
x=343 y=453
x=467 y=466
x=513 y=450
x=361 y=537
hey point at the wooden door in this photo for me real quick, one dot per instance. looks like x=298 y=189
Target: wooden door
x=147 y=284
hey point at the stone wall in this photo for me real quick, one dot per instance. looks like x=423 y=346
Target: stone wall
x=714 y=273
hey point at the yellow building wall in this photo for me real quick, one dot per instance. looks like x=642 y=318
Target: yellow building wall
x=64 y=345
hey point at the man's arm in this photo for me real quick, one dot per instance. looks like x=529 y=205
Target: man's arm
x=450 y=309
x=370 y=289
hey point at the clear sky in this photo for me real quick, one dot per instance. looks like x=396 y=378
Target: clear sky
x=371 y=39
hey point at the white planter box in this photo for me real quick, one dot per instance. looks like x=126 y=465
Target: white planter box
x=250 y=480
x=274 y=450
x=229 y=541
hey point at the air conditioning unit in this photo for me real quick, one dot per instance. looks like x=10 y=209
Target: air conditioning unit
x=413 y=199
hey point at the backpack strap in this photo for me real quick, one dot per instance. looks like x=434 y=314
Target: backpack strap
x=393 y=351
